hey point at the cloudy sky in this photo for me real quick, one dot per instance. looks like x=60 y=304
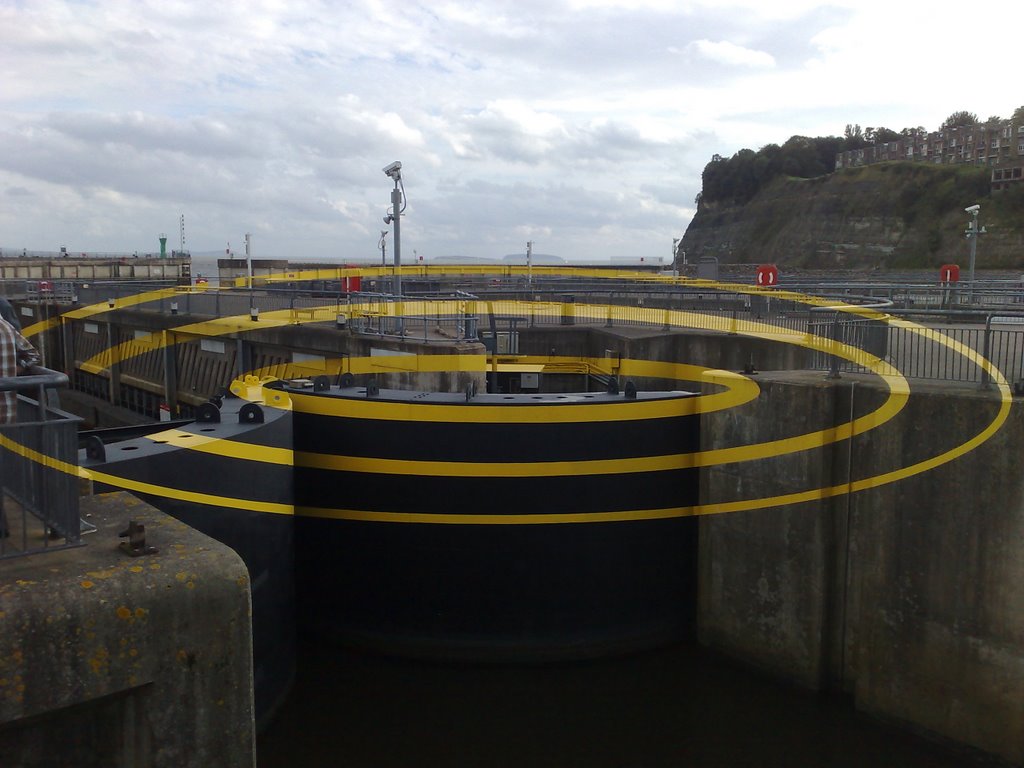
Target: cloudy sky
x=582 y=125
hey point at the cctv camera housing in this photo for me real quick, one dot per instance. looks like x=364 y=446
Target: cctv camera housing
x=392 y=169
x=973 y=209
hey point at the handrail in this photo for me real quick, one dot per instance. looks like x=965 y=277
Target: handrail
x=38 y=500
x=38 y=376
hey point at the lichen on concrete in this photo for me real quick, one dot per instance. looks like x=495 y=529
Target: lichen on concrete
x=95 y=643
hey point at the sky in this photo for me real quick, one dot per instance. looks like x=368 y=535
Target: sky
x=580 y=125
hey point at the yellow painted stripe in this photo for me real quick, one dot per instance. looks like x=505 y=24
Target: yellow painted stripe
x=742 y=452
x=736 y=390
x=495 y=469
x=248 y=505
x=39 y=327
x=387 y=410
x=538 y=519
x=222 y=446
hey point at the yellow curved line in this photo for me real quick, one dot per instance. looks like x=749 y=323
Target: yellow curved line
x=249 y=505
x=575 y=413
x=223 y=446
x=41 y=458
x=799 y=497
x=118 y=481
x=740 y=453
x=39 y=327
x=494 y=469
x=736 y=388
x=885 y=478
x=895 y=401
x=527 y=519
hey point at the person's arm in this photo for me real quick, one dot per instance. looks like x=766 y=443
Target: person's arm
x=27 y=354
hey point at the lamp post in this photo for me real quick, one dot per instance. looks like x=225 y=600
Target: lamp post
x=394 y=171
x=972 y=235
x=529 y=265
x=248 y=268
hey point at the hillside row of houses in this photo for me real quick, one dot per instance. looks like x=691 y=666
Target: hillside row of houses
x=999 y=145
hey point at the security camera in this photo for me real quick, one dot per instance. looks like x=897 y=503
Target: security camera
x=393 y=169
x=973 y=209
x=388 y=219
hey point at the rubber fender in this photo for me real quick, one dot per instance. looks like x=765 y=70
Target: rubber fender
x=208 y=413
x=95 y=449
x=250 y=413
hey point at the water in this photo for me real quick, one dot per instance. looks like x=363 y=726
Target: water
x=680 y=706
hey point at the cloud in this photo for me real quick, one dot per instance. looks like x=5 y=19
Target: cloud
x=584 y=124
x=724 y=52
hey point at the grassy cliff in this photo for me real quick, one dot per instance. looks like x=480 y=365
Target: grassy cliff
x=889 y=215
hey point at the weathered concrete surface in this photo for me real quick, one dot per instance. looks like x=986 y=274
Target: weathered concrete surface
x=906 y=594
x=766 y=578
x=937 y=567
x=697 y=347
x=110 y=660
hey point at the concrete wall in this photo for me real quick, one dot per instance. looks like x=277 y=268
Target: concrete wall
x=108 y=660
x=938 y=566
x=767 y=577
x=906 y=595
x=707 y=348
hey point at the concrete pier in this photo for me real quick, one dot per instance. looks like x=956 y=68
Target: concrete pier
x=112 y=660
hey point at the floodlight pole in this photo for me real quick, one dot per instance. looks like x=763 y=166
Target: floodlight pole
x=529 y=264
x=972 y=235
x=248 y=268
x=396 y=209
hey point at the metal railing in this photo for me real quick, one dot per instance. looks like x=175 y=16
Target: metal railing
x=964 y=316
x=38 y=486
x=936 y=354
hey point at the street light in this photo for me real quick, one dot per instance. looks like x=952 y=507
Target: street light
x=382 y=244
x=972 y=234
x=529 y=264
x=394 y=172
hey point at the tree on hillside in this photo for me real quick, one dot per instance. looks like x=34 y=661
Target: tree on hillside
x=958 y=119
x=853 y=137
x=1018 y=115
x=881 y=135
x=740 y=177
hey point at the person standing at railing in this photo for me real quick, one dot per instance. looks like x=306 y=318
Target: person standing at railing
x=16 y=352
x=7 y=313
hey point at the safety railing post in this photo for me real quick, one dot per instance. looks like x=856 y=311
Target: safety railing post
x=833 y=371
x=986 y=346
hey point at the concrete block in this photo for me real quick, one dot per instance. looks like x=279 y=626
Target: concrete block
x=112 y=660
